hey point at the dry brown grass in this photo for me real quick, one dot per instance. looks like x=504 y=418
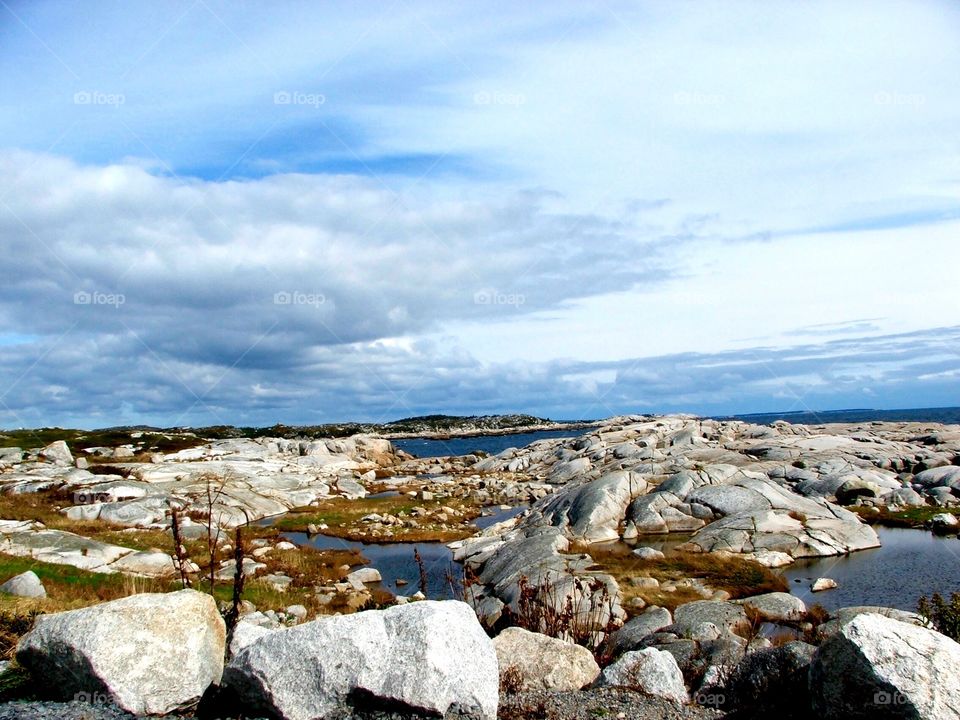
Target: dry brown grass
x=343 y=519
x=141 y=457
x=70 y=588
x=309 y=566
x=738 y=576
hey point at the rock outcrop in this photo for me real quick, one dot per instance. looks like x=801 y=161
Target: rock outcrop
x=260 y=477
x=767 y=492
x=875 y=666
x=651 y=671
x=151 y=654
x=431 y=657
x=24 y=585
x=544 y=663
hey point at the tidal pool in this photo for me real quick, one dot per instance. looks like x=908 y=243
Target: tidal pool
x=396 y=561
x=909 y=564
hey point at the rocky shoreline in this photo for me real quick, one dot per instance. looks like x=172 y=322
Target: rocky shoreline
x=569 y=580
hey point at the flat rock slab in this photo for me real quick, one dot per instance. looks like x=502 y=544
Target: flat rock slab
x=63 y=548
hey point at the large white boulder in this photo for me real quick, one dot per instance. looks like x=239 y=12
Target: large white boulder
x=10 y=455
x=430 y=656
x=152 y=653
x=652 y=671
x=875 y=666
x=543 y=662
x=593 y=511
x=58 y=453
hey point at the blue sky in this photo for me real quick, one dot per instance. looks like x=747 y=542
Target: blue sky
x=233 y=213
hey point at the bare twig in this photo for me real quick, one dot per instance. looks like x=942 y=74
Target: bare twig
x=180 y=558
x=422 y=570
x=232 y=616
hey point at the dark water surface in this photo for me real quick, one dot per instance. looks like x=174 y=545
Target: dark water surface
x=493 y=444
x=395 y=561
x=910 y=563
x=947 y=415
x=490 y=444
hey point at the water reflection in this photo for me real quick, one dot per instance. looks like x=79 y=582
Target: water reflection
x=909 y=563
x=395 y=561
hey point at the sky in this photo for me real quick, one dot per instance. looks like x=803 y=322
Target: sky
x=246 y=213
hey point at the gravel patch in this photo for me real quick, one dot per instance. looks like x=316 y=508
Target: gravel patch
x=31 y=710
x=597 y=704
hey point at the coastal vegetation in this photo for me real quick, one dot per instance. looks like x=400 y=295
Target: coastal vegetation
x=682 y=577
x=166 y=440
x=397 y=518
x=910 y=517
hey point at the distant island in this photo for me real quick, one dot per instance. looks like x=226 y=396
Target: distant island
x=173 y=439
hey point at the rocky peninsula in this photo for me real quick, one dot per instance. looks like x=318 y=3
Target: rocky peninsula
x=565 y=604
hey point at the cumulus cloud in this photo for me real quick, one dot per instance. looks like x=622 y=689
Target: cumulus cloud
x=196 y=269
x=214 y=213
x=112 y=379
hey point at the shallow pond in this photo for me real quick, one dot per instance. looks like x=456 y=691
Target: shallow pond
x=909 y=563
x=396 y=561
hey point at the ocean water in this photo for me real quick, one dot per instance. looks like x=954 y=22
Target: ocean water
x=946 y=415
x=493 y=444
x=490 y=444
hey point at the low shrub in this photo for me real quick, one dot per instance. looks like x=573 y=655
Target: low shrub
x=943 y=615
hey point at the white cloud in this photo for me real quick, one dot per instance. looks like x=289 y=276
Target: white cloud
x=486 y=196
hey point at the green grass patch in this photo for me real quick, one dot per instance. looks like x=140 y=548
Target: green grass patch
x=740 y=577
x=344 y=519
x=912 y=517
x=151 y=440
